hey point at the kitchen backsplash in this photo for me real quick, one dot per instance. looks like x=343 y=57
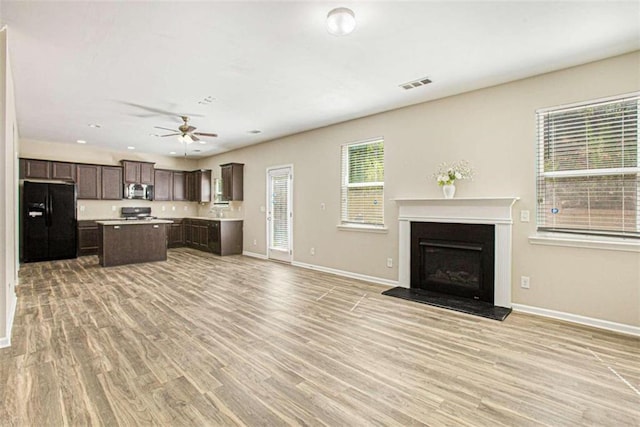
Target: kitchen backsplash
x=108 y=209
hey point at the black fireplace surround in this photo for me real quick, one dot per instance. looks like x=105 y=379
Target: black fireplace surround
x=453 y=259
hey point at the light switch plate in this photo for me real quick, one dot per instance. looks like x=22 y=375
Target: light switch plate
x=524 y=216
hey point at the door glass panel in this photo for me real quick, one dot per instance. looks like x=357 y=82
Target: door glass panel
x=280 y=212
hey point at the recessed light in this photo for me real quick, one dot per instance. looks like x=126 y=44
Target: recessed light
x=81 y=141
x=172 y=152
x=94 y=125
x=154 y=134
x=131 y=148
x=202 y=142
x=254 y=131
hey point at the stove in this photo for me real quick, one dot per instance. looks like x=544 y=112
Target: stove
x=134 y=214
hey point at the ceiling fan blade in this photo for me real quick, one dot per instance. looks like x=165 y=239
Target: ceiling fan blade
x=213 y=135
x=170 y=134
x=159 y=127
x=159 y=111
x=194 y=138
x=190 y=129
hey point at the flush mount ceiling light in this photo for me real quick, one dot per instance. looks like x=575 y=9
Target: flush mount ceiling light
x=81 y=141
x=341 y=21
x=131 y=148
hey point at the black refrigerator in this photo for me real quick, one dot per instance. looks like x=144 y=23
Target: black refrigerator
x=49 y=221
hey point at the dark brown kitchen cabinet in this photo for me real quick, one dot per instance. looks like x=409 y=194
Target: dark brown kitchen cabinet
x=88 y=181
x=179 y=186
x=138 y=172
x=232 y=181
x=202 y=180
x=63 y=171
x=131 y=243
x=111 y=183
x=200 y=234
x=87 y=238
x=225 y=237
x=176 y=233
x=163 y=188
x=186 y=229
x=35 y=169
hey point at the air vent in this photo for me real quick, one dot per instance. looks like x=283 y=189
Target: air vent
x=416 y=83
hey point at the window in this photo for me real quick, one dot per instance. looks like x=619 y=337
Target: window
x=363 y=183
x=588 y=170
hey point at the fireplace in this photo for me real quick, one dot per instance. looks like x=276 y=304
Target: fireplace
x=495 y=212
x=453 y=259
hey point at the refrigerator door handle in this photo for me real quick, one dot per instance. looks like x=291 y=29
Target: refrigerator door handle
x=47 y=211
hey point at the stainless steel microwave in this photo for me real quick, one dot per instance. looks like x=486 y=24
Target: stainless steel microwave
x=138 y=191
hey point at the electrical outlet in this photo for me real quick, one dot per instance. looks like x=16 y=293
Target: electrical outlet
x=262 y=209
x=113 y=208
x=323 y=206
x=81 y=208
x=255 y=242
x=524 y=216
x=389 y=262
x=312 y=251
x=163 y=208
x=173 y=208
x=186 y=208
x=524 y=282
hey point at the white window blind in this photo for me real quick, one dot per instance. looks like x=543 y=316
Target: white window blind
x=280 y=211
x=588 y=170
x=363 y=183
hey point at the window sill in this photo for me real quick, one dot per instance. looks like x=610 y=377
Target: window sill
x=584 y=241
x=363 y=228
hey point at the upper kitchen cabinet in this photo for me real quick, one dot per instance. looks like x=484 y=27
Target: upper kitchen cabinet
x=198 y=185
x=179 y=186
x=111 y=183
x=63 y=171
x=45 y=169
x=35 y=169
x=232 y=181
x=88 y=182
x=163 y=187
x=138 y=172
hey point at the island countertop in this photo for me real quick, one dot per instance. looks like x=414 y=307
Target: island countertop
x=134 y=222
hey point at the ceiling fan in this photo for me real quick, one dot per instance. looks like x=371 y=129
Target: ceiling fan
x=185 y=132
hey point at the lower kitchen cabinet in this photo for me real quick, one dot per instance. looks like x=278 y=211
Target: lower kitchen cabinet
x=225 y=237
x=176 y=233
x=87 y=238
x=220 y=237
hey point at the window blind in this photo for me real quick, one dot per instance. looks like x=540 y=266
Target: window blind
x=588 y=171
x=363 y=183
x=280 y=212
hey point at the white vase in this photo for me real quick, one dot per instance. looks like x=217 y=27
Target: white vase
x=449 y=191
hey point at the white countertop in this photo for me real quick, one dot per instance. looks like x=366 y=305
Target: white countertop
x=210 y=218
x=134 y=222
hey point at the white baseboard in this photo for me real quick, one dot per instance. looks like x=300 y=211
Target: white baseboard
x=582 y=320
x=254 y=255
x=351 y=275
x=6 y=341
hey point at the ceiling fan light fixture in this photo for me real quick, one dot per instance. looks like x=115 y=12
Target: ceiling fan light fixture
x=341 y=21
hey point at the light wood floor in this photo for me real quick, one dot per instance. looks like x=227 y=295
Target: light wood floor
x=203 y=340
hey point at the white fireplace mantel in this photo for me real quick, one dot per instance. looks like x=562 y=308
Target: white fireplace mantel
x=486 y=210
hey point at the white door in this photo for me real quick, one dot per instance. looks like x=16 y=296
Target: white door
x=280 y=214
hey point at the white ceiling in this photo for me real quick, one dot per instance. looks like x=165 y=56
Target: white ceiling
x=272 y=65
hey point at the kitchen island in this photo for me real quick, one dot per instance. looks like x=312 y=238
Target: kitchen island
x=132 y=241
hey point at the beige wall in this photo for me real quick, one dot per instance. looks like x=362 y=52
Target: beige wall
x=494 y=129
x=97 y=209
x=8 y=194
